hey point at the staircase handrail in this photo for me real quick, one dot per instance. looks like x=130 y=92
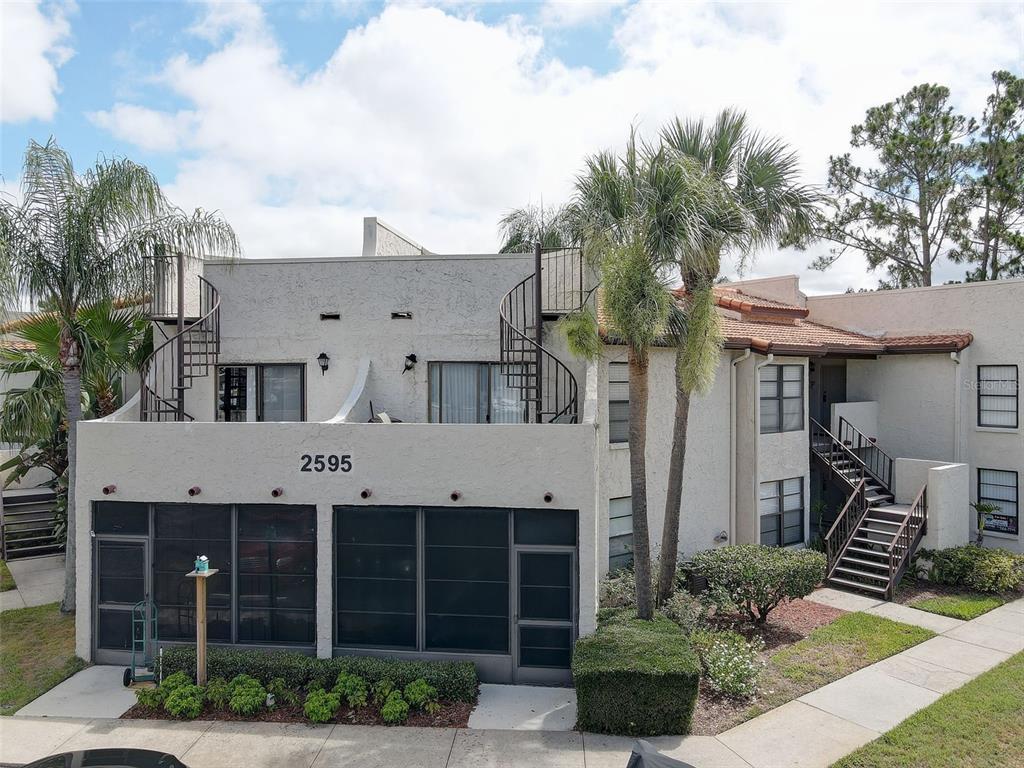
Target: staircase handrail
x=209 y=320
x=837 y=444
x=907 y=536
x=845 y=526
x=881 y=470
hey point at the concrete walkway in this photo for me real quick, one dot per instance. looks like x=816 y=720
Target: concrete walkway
x=524 y=708
x=39 y=580
x=811 y=732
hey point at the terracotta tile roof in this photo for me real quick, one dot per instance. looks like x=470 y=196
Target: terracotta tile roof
x=798 y=336
x=733 y=298
x=26 y=346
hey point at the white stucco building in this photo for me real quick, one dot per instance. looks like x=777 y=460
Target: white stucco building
x=474 y=516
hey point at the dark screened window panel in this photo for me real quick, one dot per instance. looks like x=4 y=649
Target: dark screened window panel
x=999 y=487
x=545 y=647
x=181 y=532
x=375 y=576
x=545 y=526
x=618 y=402
x=781 y=509
x=115 y=630
x=121 y=518
x=466 y=573
x=120 y=571
x=620 y=533
x=545 y=586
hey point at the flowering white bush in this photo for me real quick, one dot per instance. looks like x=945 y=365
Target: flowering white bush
x=732 y=665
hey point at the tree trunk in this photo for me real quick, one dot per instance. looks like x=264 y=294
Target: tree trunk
x=674 y=495
x=638 y=483
x=72 y=377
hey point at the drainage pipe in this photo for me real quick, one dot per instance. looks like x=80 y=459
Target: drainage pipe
x=957 y=379
x=732 y=443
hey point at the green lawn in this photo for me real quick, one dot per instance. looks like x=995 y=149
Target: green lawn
x=830 y=652
x=980 y=725
x=967 y=606
x=37 y=651
x=6 y=580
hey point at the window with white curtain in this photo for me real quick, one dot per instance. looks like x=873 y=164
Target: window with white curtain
x=782 y=512
x=270 y=392
x=473 y=393
x=782 y=398
x=999 y=488
x=998 y=390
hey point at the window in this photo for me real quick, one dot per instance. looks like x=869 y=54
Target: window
x=998 y=388
x=474 y=393
x=782 y=398
x=620 y=532
x=782 y=512
x=276 y=574
x=618 y=402
x=272 y=392
x=999 y=487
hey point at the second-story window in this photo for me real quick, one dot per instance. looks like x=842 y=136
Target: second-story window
x=474 y=393
x=272 y=392
x=998 y=390
x=618 y=402
x=782 y=398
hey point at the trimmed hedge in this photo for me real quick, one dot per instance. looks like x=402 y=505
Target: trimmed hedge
x=454 y=680
x=635 y=678
x=986 y=569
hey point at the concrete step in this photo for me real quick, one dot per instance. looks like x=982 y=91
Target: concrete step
x=878 y=590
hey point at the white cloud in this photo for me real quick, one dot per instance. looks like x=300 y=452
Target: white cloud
x=572 y=13
x=441 y=123
x=32 y=48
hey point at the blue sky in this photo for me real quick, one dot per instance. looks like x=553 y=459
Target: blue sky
x=295 y=119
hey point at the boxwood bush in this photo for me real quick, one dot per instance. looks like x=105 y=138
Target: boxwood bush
x=635 y=678
x=982 y=568
x=754 y=579
x=453 y=680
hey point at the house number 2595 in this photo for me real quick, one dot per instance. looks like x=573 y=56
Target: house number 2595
x=329 y=463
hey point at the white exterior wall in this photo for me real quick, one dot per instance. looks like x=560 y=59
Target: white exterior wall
x=994 y=313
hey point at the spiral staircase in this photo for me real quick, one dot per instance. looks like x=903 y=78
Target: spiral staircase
x=556 y=287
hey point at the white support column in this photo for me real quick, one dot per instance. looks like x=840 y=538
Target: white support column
x=324 y=580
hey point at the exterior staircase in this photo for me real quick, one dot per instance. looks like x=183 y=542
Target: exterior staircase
x=547 y=387
x=188 y=352
x=871 y=542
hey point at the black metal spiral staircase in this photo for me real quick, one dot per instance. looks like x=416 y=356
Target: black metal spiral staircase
x=871 y=542
x=547 y=387
x=189 y=352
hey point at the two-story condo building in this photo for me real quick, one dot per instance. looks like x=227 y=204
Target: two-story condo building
x=396 y=454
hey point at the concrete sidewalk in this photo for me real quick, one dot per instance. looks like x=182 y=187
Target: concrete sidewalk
x=813 y=731
x=39 y=580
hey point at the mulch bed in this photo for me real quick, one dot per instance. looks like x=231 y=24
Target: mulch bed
x=790 y=622
x=451 y=715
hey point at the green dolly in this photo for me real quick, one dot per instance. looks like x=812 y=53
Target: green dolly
x=144 y=636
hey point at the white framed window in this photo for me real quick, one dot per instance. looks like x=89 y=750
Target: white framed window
x=1000 y=488
x=782 y=398
x=620 y=532
x=474 y=393
x=998 y=396
x=781 y=510
x=618 y=402
x=266 y=392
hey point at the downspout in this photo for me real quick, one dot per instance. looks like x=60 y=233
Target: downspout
x=955 y=357
x=732 y=443
x=757 y=426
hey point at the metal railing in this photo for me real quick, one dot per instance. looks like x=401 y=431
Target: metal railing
x=844 y=463
x=548 y=388
x=877 y=462
x=905 y=542
x=839 y=535
x=188 y=354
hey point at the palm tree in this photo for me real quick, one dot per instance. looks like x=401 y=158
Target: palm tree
x=551 y=226
x=637 y=212
x=77 y=240
x=753 y=200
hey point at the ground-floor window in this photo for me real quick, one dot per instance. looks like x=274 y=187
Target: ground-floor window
x=264 y=591
x=620 y=533
x=450 y=579
x=782 y=512
x=999 y=488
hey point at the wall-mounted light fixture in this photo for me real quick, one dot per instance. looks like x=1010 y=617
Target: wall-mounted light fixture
x=324 y=361
x=410 y=362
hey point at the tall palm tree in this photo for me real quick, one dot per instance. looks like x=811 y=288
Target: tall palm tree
x=754 y=200
x=77 y=240
x=555 y=226
x=637 y=212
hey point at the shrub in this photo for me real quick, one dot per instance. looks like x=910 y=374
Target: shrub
x=218 y=692
x=981 y=568
x=151 y=698
x=173 y=682
x=381 y=690
x=686 y=611
x=248 y=696
x=352 y=689
x=185 y=701
x=281 y=693
x=755 y=579
x=635 y=678
x=395 y=709
x=321 y=705
x=454 y=680
x=420 y=694
x=618 y=590
x=731 y=664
